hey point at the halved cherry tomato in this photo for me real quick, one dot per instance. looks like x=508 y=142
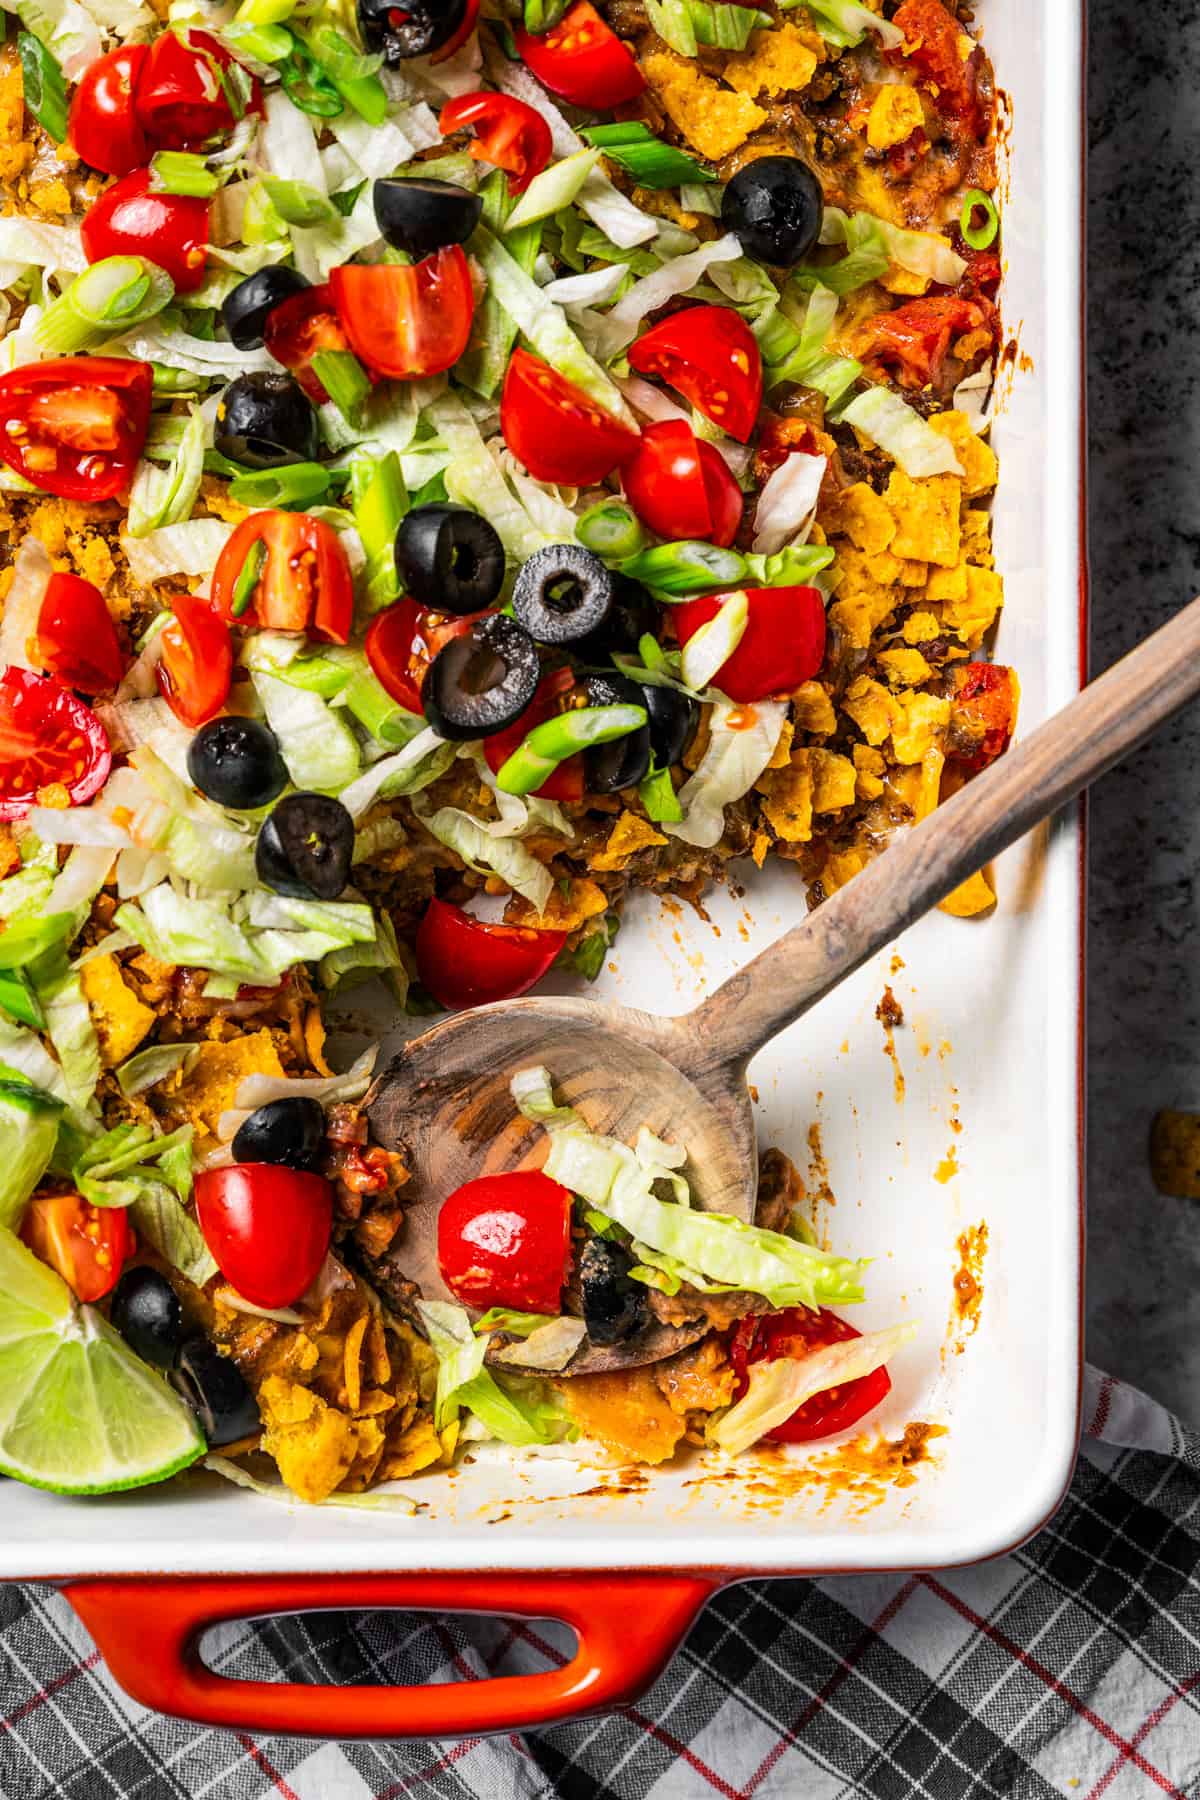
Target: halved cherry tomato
x=983 y=710
x=505 y=1240
x=797 y=1332
x=48 y=739
x=508 y=134
x=913 y=340
x=566 y=783
x=581 y=60
x=196 y=667
x=403 y=641
x=555 y=429
x=468 y=962
x=129 y=219
x=300 y=326
x=185 y=98
x=782 y=646
x=75 y=426
x=304 y=582
x=103 y=125
x=679 y=485
x=405 y=321
x=710 y=355
x=76 y=638
x=470 y=19
x=87 y=1244
x=268 y=1227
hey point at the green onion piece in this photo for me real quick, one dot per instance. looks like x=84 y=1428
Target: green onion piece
x=339 y=58
x=652 y=163
x=17 y=996
x=709 y=649
x=722 y=26
x=177 y=381
x=543 y=15
x=237 y=85
x=380 y=502
x=796 y=566
x=45 y=86
x=343 y=378
x=373 y=706
x=264 y=12
x=265 y=43
x=319 y=674
x=293 y=487
x=553 y=189
x=298 y=202
x=182 y=172
x=979 y=237
x=610 y=529
x=247 y=581
x=110 y=297
x=308 y=86
x=550 y=743
x=657 y=794
x=687 y=567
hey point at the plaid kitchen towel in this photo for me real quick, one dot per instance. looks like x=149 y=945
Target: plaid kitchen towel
x=1071 y=1668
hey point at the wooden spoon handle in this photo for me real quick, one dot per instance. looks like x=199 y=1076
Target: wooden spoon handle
x=1039 y=774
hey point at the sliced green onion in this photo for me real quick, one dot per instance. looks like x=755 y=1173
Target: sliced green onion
x=110 y=297
x=652 y=163
x=247 y=580
x=725 y=27
x=657 y=794
x=980 y=237
x=308 y=86
x=372 y=705
x=343 y=378
x=610 y=529
x=177 y=381
x=543 y=15
x=298 y=202
x=182 y=172
x=237 y=86
x=318 y=674
x=710 y=648
x=265 y=43
x=553 y=189
x=687 y=567
x=796 y=566
x=352 y=75
x=45 y=86
x=548 y=744
x=293 y=487
x=380 y=502
x=19 y=1000
x=264 y=12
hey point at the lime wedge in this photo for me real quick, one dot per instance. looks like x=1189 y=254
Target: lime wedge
x=78 y=1412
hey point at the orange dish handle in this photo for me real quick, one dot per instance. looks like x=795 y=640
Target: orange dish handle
x=629 y=1626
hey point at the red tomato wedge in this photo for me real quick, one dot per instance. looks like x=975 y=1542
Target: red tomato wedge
x=300 y=326
x=933 y=46
x=913 y=339
x=505 y=1240
x=566 y=783
x=680 y=487
x=129 y=219
x=984 y=707
x=405 y=321
x=782 y=646
x=708 y=354
x=555 y=429
x=75 y=426
x=48 y=739
x=268 y=1227
x=87 y=1244
x=103 y=125
x=797 y=1332
x=76 y=638
x=303 y=583
x=196 y=667
x=508 y=134
x=468 y=962
x=403 y=641
x=581 y=60
x=185 y=98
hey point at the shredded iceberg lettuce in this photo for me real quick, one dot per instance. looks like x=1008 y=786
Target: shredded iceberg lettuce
x=897 y=428
x=776 y=1388
x=732 y=763
x=487 y=852
x=518 y=1414
x=315 y=741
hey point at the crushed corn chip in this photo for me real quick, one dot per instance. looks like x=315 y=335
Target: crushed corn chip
x=630 y=834
x=972 y=896
x=927 y=517
x=981 y=471
x=896 y=113
x=712 y=118
x=120 y=1019
x=774 y=62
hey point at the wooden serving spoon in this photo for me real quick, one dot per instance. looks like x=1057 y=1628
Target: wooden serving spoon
x=444 y=1097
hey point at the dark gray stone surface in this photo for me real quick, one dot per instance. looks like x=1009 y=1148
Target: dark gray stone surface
x=1144 y=505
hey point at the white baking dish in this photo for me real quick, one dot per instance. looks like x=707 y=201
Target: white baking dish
x=992 y=1039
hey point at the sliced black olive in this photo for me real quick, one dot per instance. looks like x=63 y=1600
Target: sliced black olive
x=563 y=593
x=607 y=768
x=216 y=1390
x=424 y=216
x=614 y=1307
x=146 y=1311
x=673 y=721
x=633 y=613
x=290 y=1132
x=304 y=847
x=775 y=207
x=245 y=308
x=398 y=32
x=236 y=762
x=482 y=681
x=448 y=557
x=264 y=421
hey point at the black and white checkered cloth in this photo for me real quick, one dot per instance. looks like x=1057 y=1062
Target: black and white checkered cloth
x=1071 y=1668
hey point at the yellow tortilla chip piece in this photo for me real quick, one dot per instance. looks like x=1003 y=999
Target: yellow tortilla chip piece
x=842 y=867
x=923 y=719
x=832 y=779
x=904 y=281
x=626 y=1411
x=895 y=114
x=904 y=668
x=781 y=754
x=972 y=616
x=712 y=118
x=921 y=627
x=120 y=1019
x=980 y=469
x=788 y=801
x=776 y=61
x=582 y=901
x=872 y=708
x=972 y=896
x=947 y=584
x=927 y=517
x=859 y=514
x=868 y=767
x=813 y=710
x=977 y=538
x=210 y=1086
x=314 y=1445
x=630 y=834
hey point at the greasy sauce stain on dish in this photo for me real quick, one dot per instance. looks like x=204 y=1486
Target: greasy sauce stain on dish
x=890 y=1014
x=863 y=1472
x=967 y=1285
